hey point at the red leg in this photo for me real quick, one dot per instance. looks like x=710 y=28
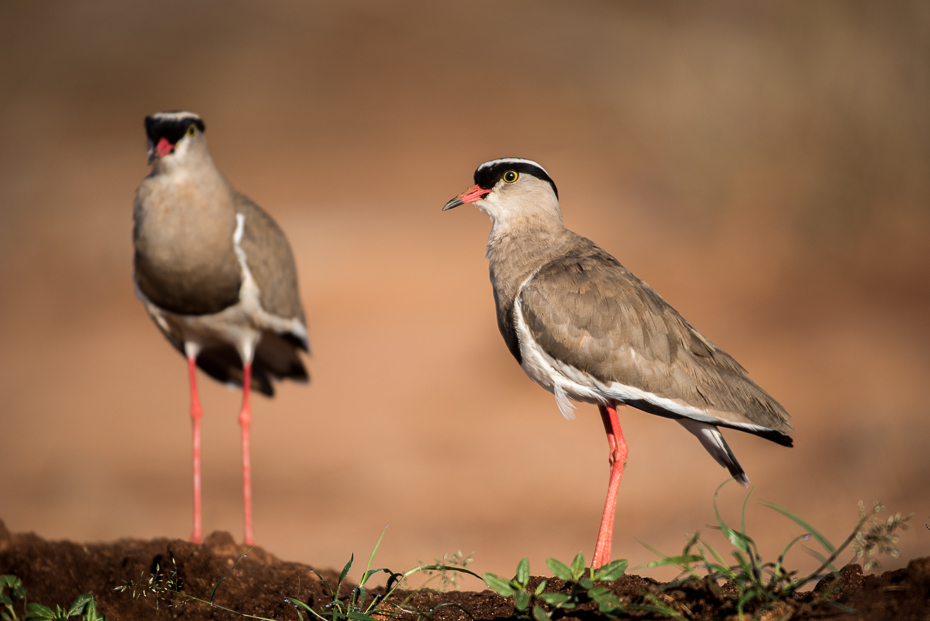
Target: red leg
x=245 y=421
x=196 y=413
x=618 y=454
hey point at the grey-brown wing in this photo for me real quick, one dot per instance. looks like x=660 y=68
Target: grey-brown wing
x=271 y=261
x=589 y=311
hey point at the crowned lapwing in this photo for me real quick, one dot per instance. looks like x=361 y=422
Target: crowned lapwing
x=586 y=329
x=217 y=275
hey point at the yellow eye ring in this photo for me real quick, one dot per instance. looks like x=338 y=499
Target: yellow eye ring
x=192 y=130
x=510 y=176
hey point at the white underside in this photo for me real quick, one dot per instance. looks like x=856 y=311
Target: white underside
x=240 y=325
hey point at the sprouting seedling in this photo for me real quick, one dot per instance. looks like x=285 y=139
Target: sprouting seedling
x=83 y=606
x=542 y=605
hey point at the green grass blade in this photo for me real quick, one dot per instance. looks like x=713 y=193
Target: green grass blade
x=720 y=568
x=220 y=581
x=735 y=541
x=326 y=584
x=371 y=559
x=455 y=568
x=713 y=551
x=746 y=597
x=742 y=518
x=371 y=572
x=797 y=520
x=781 y=557
x=749 y=545
x=345 y=570
x=681 y=561
x=824 y=561
x=429 y=614
x=297 y=602
x=651 y=548
x=743 y=563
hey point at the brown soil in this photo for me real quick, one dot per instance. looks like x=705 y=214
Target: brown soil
x=55 y=572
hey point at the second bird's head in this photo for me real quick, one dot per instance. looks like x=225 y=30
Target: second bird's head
x=174 y=136
x=509 y=189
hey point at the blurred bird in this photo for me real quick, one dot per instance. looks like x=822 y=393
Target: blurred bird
x=217 y=275
x=586 y=329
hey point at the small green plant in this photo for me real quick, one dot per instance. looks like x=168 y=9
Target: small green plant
x=581 y=589
x=361 y=605
x=162 y=587
x=752 y=583
x=83 y=606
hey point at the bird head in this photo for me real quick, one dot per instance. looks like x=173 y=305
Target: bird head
x=509 y=189
x=173 y=135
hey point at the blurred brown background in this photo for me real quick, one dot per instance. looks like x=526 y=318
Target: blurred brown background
x=764 y=166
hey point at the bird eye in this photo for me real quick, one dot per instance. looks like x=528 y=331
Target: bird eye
x=510 y=176
x=192 y=130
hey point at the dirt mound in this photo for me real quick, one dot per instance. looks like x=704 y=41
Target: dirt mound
x=56 y=572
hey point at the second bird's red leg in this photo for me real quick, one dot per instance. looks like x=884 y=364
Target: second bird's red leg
x=245 y=422
x=618 y=454
x=196 y=413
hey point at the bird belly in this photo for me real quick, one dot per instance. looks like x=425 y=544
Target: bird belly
x=240 y=324
x=232 y=325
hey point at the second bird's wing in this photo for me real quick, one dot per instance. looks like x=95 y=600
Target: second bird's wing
x=588 y=311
